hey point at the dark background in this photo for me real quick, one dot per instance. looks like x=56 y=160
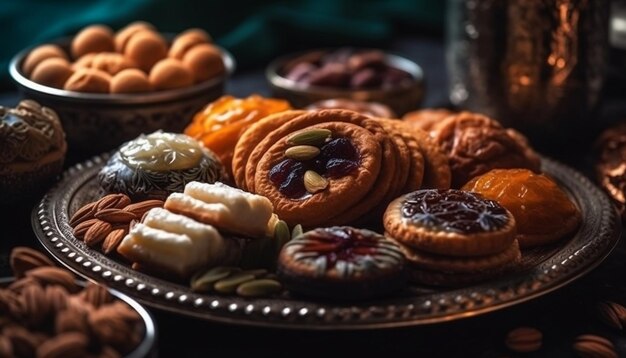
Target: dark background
x=256 y=32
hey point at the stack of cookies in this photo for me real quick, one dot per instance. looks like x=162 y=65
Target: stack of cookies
x=452 y=237
x=328 y=167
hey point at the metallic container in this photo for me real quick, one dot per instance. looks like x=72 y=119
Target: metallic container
x=538 y=66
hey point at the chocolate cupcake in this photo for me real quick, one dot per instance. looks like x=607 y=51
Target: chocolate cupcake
x=156 y=165
x=32 y=150
x=341 y=263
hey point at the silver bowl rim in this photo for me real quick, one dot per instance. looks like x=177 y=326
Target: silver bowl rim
x=102 y=98
x=274 y=78
x=147 y=345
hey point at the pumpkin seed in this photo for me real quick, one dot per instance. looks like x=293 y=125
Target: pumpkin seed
x=230 y=284
x=297 y=231
x=257 y=288
x=281 y=234
x=314 y=182
x=203 y=281
x=302 y=152
x=314 y=136
x=257 y=273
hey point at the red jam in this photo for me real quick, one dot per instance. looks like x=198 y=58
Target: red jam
x=341 y=244
x=337 y=159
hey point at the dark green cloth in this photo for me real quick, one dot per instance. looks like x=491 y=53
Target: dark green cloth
x=254 y=31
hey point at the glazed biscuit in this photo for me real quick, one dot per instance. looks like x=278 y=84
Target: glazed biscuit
x=416 y=166
x=426 y=119
x=450 y=222
x=251 y=137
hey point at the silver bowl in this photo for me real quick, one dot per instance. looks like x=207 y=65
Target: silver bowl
x=401 y=99
x=95 y=122
x=147 y=347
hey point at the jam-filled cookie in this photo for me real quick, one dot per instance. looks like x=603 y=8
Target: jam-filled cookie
x=450 y=222
x=476 y=144
x=341 y=263
x=155 y=165
x=543 y=212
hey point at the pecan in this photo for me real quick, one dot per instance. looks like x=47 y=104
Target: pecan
x=592 y=346
x=66 y=345
x=23 y=342
x=19 y=285
x=6 y=348
x=97 y=232
x=53 y=276
x=57 y=297
x=524 y=340
x=36 y=307
x=71 y=320
x=24 y=258
x=10 y=304
x=96 y=295
x=113 y=240
x=108 y=352
x=142 y=207
x=112 y=201
x=81 y=229
x=110 y=327
x=613 y=314
x=115 y=216
x=82 y=214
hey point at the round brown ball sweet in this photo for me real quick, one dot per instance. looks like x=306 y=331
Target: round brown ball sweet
x=88 y=80
x=40 y=53
x=130 y=80
x=111 y=62
x=84 y=61
x=52 y=72
x=123 y=35
x=170 y=73
x=186 y=41
x=146 y=48
x=204 y=61
x=95 y=38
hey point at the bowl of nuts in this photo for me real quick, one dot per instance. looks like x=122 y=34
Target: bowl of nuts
x=46 y=312
x=108 y=87
x=365 y=75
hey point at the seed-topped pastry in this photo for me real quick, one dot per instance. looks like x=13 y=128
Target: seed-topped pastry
x=155 y=165
x=452 y=237
x=341 y=263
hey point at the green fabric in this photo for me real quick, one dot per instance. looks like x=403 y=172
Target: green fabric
x=254 y=31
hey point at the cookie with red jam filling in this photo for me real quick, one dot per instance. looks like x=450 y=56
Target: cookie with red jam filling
x=341 y=263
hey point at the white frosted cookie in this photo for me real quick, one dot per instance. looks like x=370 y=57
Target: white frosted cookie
x=229 y=209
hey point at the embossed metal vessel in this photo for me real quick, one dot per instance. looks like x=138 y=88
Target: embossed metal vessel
x=95 y=122
x=534 y=65
x=543 y=269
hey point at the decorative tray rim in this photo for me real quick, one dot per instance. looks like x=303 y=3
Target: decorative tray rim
x=595 y=239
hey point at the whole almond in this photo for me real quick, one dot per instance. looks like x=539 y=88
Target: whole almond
x=592 y=346
x=53 y=276
x=66 y=345
x=97 y=233
x=112 y=201
x=81 y=229
x=142 y=207
x=524 y=340
x=24 y=258
x=113 y=240
x=115 y=216
x=82 y=214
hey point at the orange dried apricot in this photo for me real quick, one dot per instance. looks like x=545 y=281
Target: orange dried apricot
x=221 y=122
x=543 y=211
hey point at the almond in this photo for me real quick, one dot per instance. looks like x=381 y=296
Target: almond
x=81 y=229
x=112 y=201
x=66 y=345
x=113 y=240
x=97 y=233
x=142 y=207
x=82 y=214
x=53 y=276
x=115 y=216
x=24 y=258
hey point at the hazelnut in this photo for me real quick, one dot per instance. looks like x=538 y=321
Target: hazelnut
x=84 y=61
x=169 y=74
x=39 y=54
x=111 y=62
x=204 y=61
x=52 y=72
x=95 y=38
x=88 y=80
x=123 y=35
x=130 y=80
x=146 y=48
x=187 y=40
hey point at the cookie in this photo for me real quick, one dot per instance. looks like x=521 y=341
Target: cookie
x=341 y=263
x=251 y=137
x=372 y=109
x=476 y=144
x=450 y=222
x=426 y=119
x=543 y=212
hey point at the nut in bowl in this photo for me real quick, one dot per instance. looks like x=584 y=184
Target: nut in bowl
x=101 y=96
x=359 y=74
